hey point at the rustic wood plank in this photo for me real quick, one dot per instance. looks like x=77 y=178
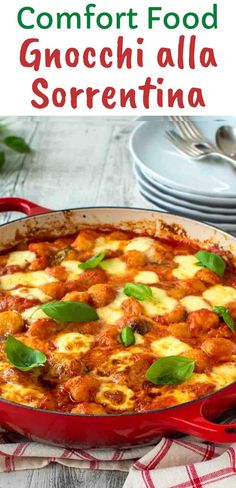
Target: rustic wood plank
x=57 y=476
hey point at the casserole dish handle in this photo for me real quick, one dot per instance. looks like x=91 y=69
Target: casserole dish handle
x=14 y=204
x=195 y=423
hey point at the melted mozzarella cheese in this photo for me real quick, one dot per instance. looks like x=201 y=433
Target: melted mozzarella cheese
x=169 y=346
x=73 y=342
x=20 y=258
x=122 y=360
x=187 y=267
x=193 y=303
x=32 y=279
x=104 y=243
x=109 y=394
x=114 y=266
x=109 y=315
x=31 y=294
x=72 y=267
x=112 y=312
x=139 y=244
x=182 y=396
x=160 y=304
x=220 y=295
x=21 y=394
x=146 y=277
x=224 y=374
x=32 y=314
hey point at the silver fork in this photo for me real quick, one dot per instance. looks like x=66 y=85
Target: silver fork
x=189 y=131
x=193 y=151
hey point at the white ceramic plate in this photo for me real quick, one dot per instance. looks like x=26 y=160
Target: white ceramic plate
x=226 y=227
x=205 y=200
x=193 y=214
x=208 y=209
x=155 y=155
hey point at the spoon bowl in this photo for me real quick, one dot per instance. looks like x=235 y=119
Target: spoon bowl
x=226 y=140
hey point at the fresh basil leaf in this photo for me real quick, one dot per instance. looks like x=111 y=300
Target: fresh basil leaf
x=170 y=370
x=93 y=262
x=212 y=261
x=69 y=311
x=17 y=144
x=127 y=336
x=224 y=313
x=21 y=356
x=2 y=159
x=140 y=292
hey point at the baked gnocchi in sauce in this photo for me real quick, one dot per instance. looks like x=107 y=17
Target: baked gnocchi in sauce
x=113 y=322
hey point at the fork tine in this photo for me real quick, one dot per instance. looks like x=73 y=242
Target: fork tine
x=193 y=128
x=180 y=144
x=187 y=127
x=176 y=138
x=182 y=127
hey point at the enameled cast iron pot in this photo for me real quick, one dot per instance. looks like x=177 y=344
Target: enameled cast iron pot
x=123 y=430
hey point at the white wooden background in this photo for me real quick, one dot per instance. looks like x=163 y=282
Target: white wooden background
x=75 y=162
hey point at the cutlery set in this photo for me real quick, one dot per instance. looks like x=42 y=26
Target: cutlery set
x=188 y=168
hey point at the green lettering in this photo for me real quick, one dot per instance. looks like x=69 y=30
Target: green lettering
x=109 y=20
x=186 y=22
x=151 y=17
x=48 y=17
x=211 y=15
x=20 y=19
x=176 y=18
x=68 y=18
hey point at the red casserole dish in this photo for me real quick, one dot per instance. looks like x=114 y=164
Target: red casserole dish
x=118 y=430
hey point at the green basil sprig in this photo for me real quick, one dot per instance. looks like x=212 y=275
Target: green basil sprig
x=224 y=313
x=140 y=292
x=21 y=356
x=69 y=311
x=2 y=159
x=212 y=261
x=127 y=336
x=93 y=262
x=170 y=370
x=17 y=144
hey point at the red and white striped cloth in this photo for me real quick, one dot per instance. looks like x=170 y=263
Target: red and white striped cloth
x=173 y=463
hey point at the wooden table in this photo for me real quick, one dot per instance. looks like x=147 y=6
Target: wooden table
x=75 y=162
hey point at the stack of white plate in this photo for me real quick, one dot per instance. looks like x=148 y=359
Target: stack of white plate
x=203 y=190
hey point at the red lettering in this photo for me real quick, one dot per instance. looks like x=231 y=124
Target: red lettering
x=35 y=63
x=207 y=57
x=35 y=87
x=107 y=95
x=176 y=96
x=126 y=97
x=74 y=94
x=192 y=48
x=195 y=98
x=52 y=56
x=181 y=52
x=90 y=93
x=59 y=97
x=124 y=56
x=146 y=88
x=89 y=52
x=106 y=52
x=164 y=57
x=72 y=53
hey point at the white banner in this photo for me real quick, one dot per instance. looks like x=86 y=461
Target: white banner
x=126 y=57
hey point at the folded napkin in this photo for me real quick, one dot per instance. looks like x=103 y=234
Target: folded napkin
x=184 y=462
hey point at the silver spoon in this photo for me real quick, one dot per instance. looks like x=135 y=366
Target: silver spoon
x=226 y=140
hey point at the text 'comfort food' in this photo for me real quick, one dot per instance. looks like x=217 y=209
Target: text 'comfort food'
x=115 y=322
